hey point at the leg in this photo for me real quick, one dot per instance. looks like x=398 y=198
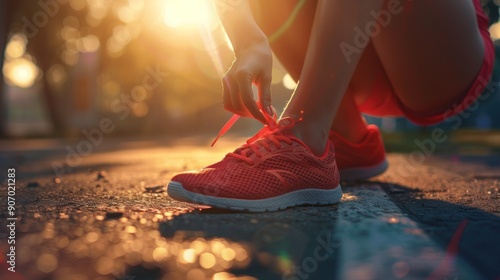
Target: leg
x=444 y=66
x=291 y=50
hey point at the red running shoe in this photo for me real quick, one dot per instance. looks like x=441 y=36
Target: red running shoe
x=272 y=171
x=360 y=161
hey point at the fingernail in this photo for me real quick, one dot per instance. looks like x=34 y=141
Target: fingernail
x=270 y=110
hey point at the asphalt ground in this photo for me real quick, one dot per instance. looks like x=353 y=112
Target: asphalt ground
x=104 y=214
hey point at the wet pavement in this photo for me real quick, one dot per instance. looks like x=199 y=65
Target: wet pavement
x=105 y=215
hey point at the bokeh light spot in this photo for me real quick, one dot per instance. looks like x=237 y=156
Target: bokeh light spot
x=189 y=255
x=91 y=237
x=495 y=31
x=199 y=245
x=20 y=72
x=223 y=276
x=160 y=253
x=46 y=263
x=207 y=260
x=228 y=254
x=288 y=82
x=140 y=109
x=16 y=47
x=89 y=43
x=57 y=74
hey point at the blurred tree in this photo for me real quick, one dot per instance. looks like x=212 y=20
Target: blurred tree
x=37 y=24
x=56 y=32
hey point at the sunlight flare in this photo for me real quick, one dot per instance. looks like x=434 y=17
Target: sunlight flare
x=190 y=13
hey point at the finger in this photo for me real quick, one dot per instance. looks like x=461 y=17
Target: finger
x=265 y=97
x=246 y=94
x=231 y=97
x=237 y=103
x=226 y=94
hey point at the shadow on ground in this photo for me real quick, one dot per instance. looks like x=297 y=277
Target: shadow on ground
x=463 y=231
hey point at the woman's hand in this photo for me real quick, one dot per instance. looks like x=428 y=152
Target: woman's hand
x=253 y=64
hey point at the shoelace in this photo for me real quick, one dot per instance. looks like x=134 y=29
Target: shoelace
x=269 y=134
x=264 y=138
x=271 y=122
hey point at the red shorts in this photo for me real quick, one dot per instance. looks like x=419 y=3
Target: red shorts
x=388 y=104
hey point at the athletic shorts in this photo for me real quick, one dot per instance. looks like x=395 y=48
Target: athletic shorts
x=387 y=103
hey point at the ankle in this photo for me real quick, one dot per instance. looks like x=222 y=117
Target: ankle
x=352 y=135
x=313 y=137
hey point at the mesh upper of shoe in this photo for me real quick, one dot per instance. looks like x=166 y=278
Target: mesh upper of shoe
x=270 y=170
x=368 y=152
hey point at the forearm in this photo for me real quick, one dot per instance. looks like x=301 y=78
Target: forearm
x=241 y=28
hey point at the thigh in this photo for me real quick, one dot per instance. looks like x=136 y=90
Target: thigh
x=369 y=85
x=289 y=23
x=431 y=52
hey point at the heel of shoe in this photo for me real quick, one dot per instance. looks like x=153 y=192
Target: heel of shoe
x=363 y=173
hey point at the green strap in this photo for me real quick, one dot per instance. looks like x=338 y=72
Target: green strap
x=289 y=21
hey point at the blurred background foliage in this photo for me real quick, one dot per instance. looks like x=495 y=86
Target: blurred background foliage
x=152 y=67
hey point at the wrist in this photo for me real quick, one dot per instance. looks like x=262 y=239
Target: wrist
x=250 y=42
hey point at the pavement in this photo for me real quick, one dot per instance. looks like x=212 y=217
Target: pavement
x=100 y=211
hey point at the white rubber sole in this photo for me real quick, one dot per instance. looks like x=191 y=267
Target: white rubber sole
x=301 y=197
x=363 y=173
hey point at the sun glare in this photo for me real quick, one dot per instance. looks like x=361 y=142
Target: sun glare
x=190 y=13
